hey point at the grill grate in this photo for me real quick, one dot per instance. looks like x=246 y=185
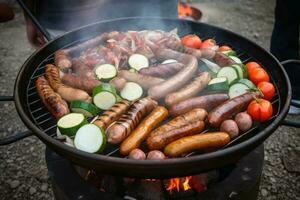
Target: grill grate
x=44 y=120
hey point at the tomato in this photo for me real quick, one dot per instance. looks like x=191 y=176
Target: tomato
x=224 y=48
x=258 y=75
x=192 y=41
x=208 y=43
x=251 y=65
x=260 y=110
x=267 y=89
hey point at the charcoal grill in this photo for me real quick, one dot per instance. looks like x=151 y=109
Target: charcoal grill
x=43 y=125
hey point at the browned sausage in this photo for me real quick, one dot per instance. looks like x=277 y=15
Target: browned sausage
x=142 y=131
x=62 y=60
x=190 y=90
x=222 y=59
x=156 y=155
x=207 y=102
x=159 y=141
x=229 y=108
x=197 y=114
x=75 y=81
x=53 y=102
x=204 y=141
x=82 y=69
x=118 y=131
x=113 y=114
x=162 y=70
x=68 y=93
x=179 y=79
x=144 y=81
x=137 y=154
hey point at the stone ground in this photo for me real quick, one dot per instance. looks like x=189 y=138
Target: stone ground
x=22 y=165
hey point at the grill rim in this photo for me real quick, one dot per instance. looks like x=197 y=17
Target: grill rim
x=107 y=161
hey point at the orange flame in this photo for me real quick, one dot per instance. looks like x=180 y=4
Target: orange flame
x=174 y=183
x=185 y=10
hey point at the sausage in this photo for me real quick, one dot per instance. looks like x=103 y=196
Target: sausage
x=190 y=90
x=75 y=81
x=156 y=155
x=229 y=108
x=207 y=102
x=204 y=141
x=139 y=134
x=197 y=114
x=162 y=70
x=179 y=79
x=222 y=59
x=53 y=102
x=118 y=131
x=82 y=69
x=62 y=60
x=144 y=81
x=118 y=82
x=159 y=141
x=113 y=114
x=68 y=93
x=137 y=154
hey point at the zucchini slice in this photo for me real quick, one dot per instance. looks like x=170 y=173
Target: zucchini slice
x=169 y=61
x=87 y=109
x=211 y=65
x=229 y=53
x=237 y=89
x=131 y=91
x=230 y=73
x=138 y=61
x=90 y=138
x=249 y=83
x=105 y=72
x=104 y=96
x=236 y=59
x=239 y=70
x=218 y=84
x=70 y=123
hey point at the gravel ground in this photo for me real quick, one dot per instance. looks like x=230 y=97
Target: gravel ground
x=22 y=165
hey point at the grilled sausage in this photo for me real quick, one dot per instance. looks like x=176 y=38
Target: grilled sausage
x=229 y=108
x=222 y=59
x=161 y=140
x=135 y=139
x=113 y=114
x=162 y=70
x=190 y=90
x=197 y=114
x=53 y=102
x=118 y=131
x=144 y=81
x=75 y=81
x=137 y=154
x=207 y=102
x=205 y=141
x=82 y=69
x=156 y=155
x=179 y=79
x=62 y=60
x=118 y=82
x=68 y=93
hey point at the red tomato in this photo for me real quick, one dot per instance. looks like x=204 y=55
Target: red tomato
x=260 y=110
x=258 y=75
x=224 y=48
x=192 y=41
x=208 y=43
x=251 y=65
x=267 y=89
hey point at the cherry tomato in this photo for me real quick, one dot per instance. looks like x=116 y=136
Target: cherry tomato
x=258 y=75
x=251 y=65
x=224 y=48
x=267 y=89
x=208 y=43
x=192 y=41
x=260 y=110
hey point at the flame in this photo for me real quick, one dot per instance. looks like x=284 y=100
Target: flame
x=185 y=10
x=174 y=183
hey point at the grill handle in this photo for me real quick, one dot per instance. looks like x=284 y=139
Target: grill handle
x=17 y=136
x=288 y=122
